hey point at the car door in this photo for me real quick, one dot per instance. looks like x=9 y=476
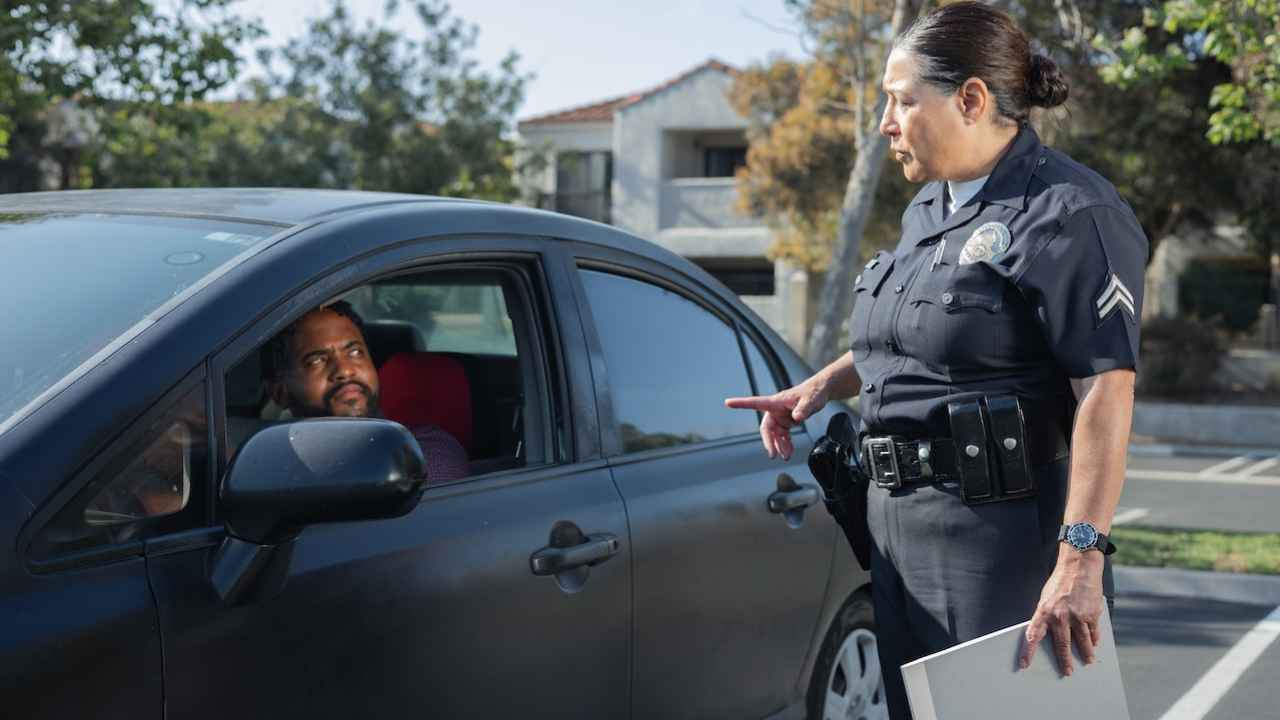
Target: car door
x=456 y=609
x=731 y=551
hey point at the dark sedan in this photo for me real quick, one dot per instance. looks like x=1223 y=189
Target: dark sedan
x=614 y=543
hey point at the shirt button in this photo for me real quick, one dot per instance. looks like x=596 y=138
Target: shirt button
x=869 y=387
x=893 y=347
x=947 y=298
x=898 y=288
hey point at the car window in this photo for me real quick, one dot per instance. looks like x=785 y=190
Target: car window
x=456 y=317
x=670 y=364
x=453 y=361
x=766 y=384
x=86 y=279
x=154 y=483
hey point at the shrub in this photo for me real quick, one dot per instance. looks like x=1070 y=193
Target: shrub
x=1179 y=357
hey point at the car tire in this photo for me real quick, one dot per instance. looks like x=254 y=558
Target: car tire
x=846 y=682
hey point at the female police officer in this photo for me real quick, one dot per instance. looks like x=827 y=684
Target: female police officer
x=1002 y=330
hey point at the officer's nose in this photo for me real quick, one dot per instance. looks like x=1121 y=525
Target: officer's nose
x=888 y=127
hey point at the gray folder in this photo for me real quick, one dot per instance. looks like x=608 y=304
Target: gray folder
x=980 y=680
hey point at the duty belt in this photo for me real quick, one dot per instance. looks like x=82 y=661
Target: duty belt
x=990 y=451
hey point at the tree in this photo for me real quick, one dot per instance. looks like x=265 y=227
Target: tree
x=369 y=108
x=1243 y=35
x=812 y=137
x=103 y=50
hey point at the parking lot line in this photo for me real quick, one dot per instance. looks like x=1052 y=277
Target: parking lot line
x=1222 y=467
x=1182 y=476
x=1209 y=689
x=1128 y=516
x=1259 y=466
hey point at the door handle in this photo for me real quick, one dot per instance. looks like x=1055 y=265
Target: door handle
x=595 y=550
x=783 y=501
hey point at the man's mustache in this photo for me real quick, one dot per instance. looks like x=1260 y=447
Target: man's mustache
x=329 y=395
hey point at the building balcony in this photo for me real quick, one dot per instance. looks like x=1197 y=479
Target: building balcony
x=709 y=203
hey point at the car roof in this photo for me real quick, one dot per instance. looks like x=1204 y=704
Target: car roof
x=277 y=206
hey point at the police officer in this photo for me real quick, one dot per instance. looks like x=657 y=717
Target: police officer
x=1001 y=331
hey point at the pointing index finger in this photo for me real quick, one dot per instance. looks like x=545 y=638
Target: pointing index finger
x=763 y=403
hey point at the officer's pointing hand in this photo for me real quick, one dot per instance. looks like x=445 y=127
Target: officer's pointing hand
x=783 y=410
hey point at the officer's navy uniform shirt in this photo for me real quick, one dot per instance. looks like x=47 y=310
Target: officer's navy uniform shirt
x=1062 y=301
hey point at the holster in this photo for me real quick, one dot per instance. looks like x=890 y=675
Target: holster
x=834 y=464
x=992 y=454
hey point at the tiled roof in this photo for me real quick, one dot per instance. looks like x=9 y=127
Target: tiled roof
x=603 y=111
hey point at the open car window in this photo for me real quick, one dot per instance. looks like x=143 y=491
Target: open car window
x=458 y=362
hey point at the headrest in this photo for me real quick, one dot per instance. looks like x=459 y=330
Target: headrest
x=388 y=337
x=420 y=388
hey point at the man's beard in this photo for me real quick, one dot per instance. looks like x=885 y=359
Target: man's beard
x=325 y=408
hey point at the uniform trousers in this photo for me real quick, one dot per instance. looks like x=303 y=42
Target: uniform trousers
x=943 y=572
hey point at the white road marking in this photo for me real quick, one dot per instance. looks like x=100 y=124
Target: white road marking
x=1223 y=467
x=1179 y=476
x=1128 y=516
x=1209 y=689
x=1258 y=467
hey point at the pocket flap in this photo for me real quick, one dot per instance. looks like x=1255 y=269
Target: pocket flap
x=874 y=273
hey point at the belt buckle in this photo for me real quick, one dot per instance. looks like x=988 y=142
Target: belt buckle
x=882 y=461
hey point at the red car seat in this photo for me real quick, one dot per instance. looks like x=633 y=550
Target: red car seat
x=422 y=388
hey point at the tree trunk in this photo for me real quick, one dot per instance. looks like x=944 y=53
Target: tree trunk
x=859 y=193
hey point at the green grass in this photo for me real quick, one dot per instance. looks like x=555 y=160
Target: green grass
x=1257 y=553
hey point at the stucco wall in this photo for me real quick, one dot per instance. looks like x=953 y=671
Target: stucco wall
x=639 y=148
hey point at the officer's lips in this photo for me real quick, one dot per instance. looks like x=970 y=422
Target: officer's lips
x=902 y=156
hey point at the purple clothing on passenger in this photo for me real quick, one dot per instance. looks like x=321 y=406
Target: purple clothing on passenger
x=446 y=458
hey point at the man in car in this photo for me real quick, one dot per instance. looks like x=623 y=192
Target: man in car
x=320 y=367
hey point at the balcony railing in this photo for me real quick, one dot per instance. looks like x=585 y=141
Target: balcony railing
x=702 y=203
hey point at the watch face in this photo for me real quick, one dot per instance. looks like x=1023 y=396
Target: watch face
x=1082 y=535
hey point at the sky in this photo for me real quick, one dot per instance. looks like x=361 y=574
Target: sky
x=583 y=51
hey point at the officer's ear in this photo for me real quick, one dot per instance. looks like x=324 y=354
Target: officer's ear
x=974 y=99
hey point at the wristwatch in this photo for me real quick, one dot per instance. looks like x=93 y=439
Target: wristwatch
x=1084 y=536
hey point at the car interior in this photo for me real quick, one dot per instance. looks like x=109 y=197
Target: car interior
x=454 y=348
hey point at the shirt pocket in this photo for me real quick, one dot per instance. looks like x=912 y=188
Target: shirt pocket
x=954 y=316
x=866 y=287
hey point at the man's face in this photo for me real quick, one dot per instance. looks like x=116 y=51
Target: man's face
x=924 y=126
x=328 y=371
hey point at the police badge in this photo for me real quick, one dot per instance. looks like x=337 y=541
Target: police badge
x=986 y=243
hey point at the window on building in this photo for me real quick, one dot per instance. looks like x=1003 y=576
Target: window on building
x=723 y=161
x=582 y=184
x=743 y=276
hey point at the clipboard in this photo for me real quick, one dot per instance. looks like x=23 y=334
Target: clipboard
x=980 y=680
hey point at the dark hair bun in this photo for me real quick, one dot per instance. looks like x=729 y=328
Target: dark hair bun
x=1046 y=85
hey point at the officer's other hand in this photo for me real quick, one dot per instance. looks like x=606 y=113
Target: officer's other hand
x=1069 y=609
x=783 y=410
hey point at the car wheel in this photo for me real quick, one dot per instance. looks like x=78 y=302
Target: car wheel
x=846 y=683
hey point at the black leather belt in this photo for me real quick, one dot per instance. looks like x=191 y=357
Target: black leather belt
x=894 y=461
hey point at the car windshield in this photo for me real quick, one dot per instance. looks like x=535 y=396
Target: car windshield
x=70 y=284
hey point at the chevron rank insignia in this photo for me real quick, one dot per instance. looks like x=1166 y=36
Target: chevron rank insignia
x=1115 y=296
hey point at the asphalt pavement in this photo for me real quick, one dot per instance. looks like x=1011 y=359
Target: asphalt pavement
x=1191 y=654
x=1202 y=488
x=1171 y=659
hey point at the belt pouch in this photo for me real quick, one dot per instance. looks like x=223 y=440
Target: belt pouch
x=969 y=432
x=1008 y=432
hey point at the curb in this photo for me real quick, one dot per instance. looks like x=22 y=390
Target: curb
x=1198 y=584
x=1176 y=450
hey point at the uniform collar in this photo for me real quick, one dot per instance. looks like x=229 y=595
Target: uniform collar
x=1009 y=180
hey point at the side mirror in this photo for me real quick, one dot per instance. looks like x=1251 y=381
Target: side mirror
x=317 y=471
x=287 y=477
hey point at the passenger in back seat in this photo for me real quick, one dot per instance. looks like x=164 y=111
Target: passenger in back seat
x=320 y=367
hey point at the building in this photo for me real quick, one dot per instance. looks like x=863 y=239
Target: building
x=660 y=164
